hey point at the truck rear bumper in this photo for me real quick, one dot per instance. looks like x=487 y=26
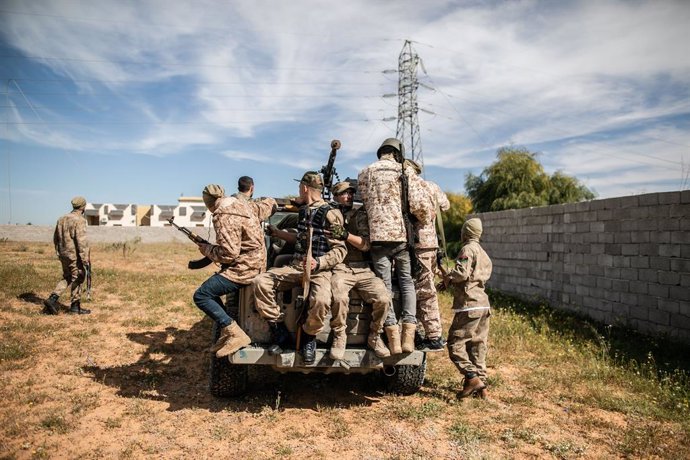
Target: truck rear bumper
x=355 y=360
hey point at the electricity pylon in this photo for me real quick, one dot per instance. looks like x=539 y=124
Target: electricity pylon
x=408 y=124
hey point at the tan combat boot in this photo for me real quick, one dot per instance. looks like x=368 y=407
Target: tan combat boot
x=408 y=337
x=231 y=339
x=375 y=343
x=393 y=334
x=338 y=345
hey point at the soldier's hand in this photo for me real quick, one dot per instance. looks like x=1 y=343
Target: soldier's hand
x=270 y=230
x=339 y=232
x=314 y=264
x=202 y=247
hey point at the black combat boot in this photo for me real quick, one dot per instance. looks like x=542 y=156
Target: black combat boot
x=51 y=305
x=432 y=344
x=308 y=348
x=280 y=338
x=76 y=309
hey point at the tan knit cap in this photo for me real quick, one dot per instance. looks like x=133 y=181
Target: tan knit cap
x=340 y=187
x=78 y=202
x=211 y=193
x=471 y=229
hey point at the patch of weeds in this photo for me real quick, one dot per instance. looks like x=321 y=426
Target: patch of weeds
x=141 y=322
x=14 y=349
x=23 y=248
x=56 y=423
x=112 y=423
x=338 y=427
x=527 y=435
x=282 y=450
x=564 y=449
x=463 y=434
x=16 y=279
x=404 y=410
x=126 y=247
x=84 y=401
x=651 y=440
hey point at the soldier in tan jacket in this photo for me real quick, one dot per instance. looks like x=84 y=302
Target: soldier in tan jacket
x=73 y=250
x=468 y=335
x=380 y=185
x=240 y=251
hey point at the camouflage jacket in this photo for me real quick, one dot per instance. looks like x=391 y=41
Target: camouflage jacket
x=240 y=243
x=426 y=230
x=338 y=250
x=472 y=271
x=70 y=237
x=379 y=185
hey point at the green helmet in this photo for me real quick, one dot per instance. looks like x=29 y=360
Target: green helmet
x=392 y=142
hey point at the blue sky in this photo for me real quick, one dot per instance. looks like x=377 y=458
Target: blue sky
x=144 y=101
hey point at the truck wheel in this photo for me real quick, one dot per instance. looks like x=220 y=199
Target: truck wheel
x=226 y=379
x=405 y=380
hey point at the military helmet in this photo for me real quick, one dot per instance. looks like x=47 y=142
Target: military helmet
x=391 y=142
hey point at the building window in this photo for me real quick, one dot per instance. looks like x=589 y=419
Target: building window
x=183 y=212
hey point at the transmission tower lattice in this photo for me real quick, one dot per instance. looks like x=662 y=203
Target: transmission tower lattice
x=408 y=124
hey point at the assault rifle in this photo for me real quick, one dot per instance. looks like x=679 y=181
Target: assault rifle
x=193 y=264
x=409 y=219
x=328 y=171
x=87 y=269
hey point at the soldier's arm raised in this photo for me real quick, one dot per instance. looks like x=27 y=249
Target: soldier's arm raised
x=338 y=249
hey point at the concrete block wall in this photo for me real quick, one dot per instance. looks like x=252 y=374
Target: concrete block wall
x=622 y=261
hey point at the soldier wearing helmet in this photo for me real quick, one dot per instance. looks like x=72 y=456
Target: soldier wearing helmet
x=380 y=186
x=355 y=273
x=73 y=251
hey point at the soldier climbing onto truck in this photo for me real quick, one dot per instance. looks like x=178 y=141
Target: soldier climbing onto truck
x=355 y=273
x=316 y=217
x=241 y=253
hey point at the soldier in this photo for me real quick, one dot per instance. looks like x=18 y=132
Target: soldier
x=240 y=251
x=380 y=186
x=469 y=333
x=355 y=273
x=428 y=312
x=326 y=253
x=73 y=250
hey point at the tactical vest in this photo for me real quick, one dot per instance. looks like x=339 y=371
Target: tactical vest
x=317 y=220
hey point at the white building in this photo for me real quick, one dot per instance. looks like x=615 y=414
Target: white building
x=111 y=215
x=189 y=212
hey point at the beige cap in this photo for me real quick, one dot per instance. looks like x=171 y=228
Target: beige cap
x=312 y=179
x=471 y=229
x=211 y=193
x=343 y=186
x=78 y=202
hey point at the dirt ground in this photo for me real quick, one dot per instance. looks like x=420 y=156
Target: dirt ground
x=131 y=381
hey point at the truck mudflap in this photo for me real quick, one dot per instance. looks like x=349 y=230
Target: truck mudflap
x=355 y=360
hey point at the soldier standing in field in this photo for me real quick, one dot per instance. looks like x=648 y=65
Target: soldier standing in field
x=355 y=273
x=73 y=250
x=428 y=312
x=240 y=251
x=469 y=333
x=316 y=217
x=380 y=185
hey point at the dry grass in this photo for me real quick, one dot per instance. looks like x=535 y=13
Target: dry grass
x=129 y=381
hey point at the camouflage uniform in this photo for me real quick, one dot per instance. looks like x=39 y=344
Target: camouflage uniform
x=380 y=188
x=469 y=332
x=73 y=250
x=354 y=273
x=425 y=284
x=283 y=278
x=239 y=248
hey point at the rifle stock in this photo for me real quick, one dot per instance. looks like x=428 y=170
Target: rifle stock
x=193 y=264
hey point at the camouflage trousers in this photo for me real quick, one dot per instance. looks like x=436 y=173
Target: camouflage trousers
x=468 y=341
x=371 y=290
x=428 y=312
x=73 y=275
x=283 y=278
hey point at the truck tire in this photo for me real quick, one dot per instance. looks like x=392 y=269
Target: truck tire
x=406 y=380
x=226 y=379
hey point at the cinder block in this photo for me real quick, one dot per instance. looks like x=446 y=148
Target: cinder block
x=597 y=270
x=669 y=198
x=596 y=226
x=640 y=213
x=671 y=224
x=670 y=306
x=685 y=196
x=649 y=199
x=627 y=226
x=669 y=278
x=613 y=249
x=680 y=210
x=660 y=237
x=681 y=321
x=685 y=279
x=639 y=262
x=623 y=237
x=647 y=225
x=640 y=237
x=628 y=298
x=660 y=263
x=648 y=275
x=669 y=250
x=639 y=312
x=596 y=248
x=661 y=212
x=639 y=288
x=630 y=274
x=604 y=215
x=620 y=285
x=612 y=296
x=605 y=237
x=659 y=317
x=611 y=272
x=658 y=290
x=681 y=237
x=649 y=249
x=629 y=249
x=680 y=293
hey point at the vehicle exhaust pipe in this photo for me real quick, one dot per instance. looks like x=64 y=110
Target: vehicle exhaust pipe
x=389 y=371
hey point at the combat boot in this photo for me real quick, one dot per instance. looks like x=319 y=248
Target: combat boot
x=76 y=309
x=376 y=343
x=280 y=338
x=308 y=348
x=51 y=304
x=471 y=385
x=338 y=345
x=408 y=330
x=432 y=344
x=393 y=335
x=482 y=394
x=231 y=339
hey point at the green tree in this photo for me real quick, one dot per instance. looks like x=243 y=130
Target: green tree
x=517 y=180
x=460 y=207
